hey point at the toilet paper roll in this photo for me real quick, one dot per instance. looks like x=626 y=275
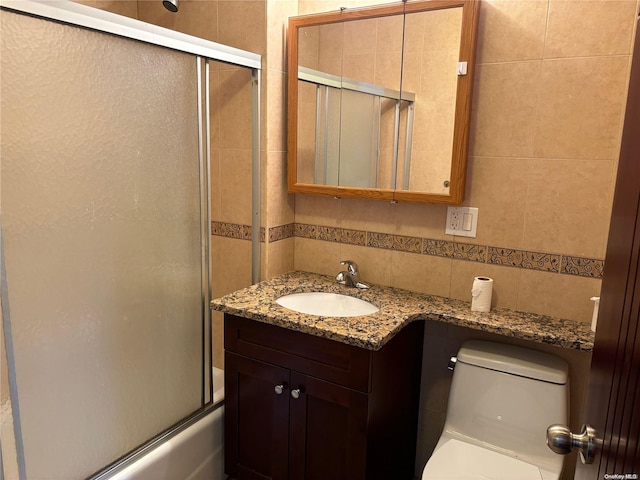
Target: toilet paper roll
x=481 y=294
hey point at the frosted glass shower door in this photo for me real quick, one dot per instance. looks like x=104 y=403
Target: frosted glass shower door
x=101 y=231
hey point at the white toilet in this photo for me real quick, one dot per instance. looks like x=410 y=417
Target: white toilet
x=502 y=400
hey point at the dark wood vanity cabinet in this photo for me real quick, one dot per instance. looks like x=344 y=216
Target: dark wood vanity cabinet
x=300 y=407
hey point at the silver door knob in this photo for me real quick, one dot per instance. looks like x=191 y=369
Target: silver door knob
x=295 y=393
x=562 y=441
x=279 y=389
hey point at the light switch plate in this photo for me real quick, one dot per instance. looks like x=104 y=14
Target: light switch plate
x=462 y=221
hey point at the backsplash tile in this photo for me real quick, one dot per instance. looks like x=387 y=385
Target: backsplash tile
x=439 y=248
x=380 y=240
x=461 y=251
x=234 y=230
x=467 y=251
x=401 y=243
x=329 y=234
x=540 y=261
x=407 y=244
x=304 y=230
x=507 y=257
x=231 y=230
x=282 y=232
x=353 y=237
x=585 y=267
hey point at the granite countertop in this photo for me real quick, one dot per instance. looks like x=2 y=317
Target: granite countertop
x=397 y=308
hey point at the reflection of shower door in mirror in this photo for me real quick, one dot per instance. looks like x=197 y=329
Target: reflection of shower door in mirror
x=102 y=241
x=424 y=47
x=348 y=143
x=351 y=136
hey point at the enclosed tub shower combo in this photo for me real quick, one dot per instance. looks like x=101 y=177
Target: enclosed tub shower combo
x=105 y=243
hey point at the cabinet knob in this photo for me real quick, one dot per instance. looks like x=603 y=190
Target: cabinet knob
x=295 y=393
x=279 y=389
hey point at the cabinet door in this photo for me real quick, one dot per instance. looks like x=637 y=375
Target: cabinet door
x=328 y=431
x=256 y=419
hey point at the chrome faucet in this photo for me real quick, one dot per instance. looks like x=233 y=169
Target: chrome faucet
x=351 y=276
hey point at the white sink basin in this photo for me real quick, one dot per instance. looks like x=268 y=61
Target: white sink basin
x=326 y=304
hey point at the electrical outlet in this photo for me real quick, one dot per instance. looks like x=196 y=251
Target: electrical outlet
x=462 y=221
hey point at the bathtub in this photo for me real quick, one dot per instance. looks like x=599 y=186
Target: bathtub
x=196 y=453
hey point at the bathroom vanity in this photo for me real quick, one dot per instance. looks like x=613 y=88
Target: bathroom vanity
x=300 y=406
x=337 y=397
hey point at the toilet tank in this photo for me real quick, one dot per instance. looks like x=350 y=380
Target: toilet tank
x=504 y=397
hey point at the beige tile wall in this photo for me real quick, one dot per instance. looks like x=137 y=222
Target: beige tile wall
x=550 y=91
x=549 y=99
x=277 y=204
x=546 y=124
x=549 y=96
x=128 y=8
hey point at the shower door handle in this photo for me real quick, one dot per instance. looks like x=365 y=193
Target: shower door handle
x=562 y=441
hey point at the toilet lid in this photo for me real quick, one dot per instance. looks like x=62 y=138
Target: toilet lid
x=460 y=460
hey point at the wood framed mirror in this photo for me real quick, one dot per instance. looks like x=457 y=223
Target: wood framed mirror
x=379 y=100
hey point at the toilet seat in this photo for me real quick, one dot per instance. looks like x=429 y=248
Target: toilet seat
x=456 y=459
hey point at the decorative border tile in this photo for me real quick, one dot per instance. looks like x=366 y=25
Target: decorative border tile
x=389 y=241
x=508 y=257
x=584 y=267
x=439 y=248
x=504 y=256
x=305 y=230
x=407 y=244
x=353 y=237
x=231 y=230
x=545 y=262
x=460 y=251
x=329 y=234
x=234 y=230
x=282 y=232
x=469 y=251
x=380 y=240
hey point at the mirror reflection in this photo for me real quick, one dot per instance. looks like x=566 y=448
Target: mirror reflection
x=348 y=97
x=374 y=99
x=431 y=50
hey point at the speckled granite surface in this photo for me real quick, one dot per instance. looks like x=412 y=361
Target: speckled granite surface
x=397 y=308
